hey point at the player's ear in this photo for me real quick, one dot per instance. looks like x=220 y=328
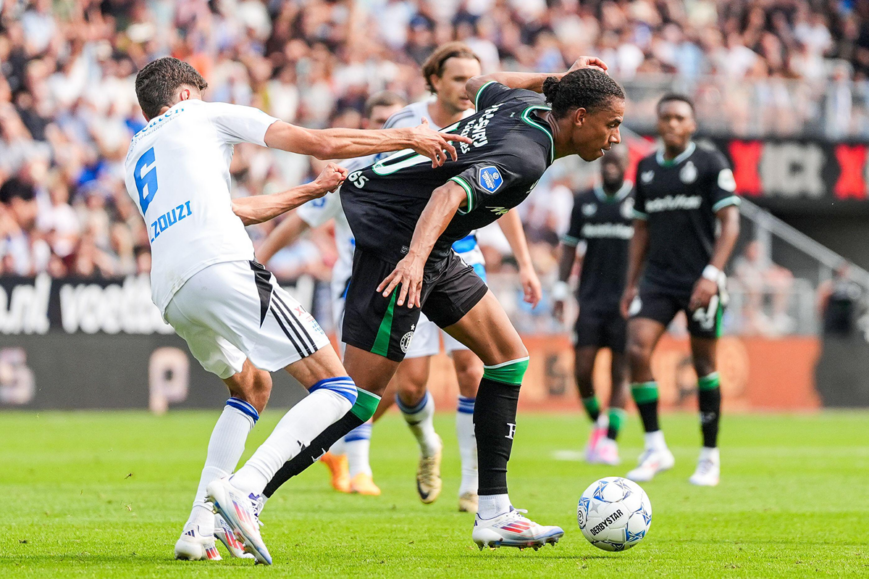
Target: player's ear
x=184 y=94
x=579 y=116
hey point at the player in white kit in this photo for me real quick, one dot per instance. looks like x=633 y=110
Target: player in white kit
x=238 y=323
x=446 y=71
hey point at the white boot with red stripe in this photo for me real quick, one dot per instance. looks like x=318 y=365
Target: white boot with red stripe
x=512 y=529
x=224 y=532
x=239 y=510
x=193 y=546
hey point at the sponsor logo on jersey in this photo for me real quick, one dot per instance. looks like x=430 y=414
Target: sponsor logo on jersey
x=607 y=231
x=688 y=174
x=589 y=209
x=490 y=179
x=673 y=203
x=647 y=176
x=476 y=129
x=499 y=211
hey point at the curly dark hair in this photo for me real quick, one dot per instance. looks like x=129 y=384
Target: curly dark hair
x=157 y=82
x=587 y=88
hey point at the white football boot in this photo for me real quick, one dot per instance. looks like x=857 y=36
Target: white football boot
x=598 y=433
x=428 y=476
x=606 y=452
x=193 y=546
x=652 y=462
x=513 y=530
x=224 y=532
x=708 y=471
x=240 y=511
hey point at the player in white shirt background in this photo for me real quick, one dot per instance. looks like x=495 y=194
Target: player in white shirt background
x=238 y=323
x=446 y=72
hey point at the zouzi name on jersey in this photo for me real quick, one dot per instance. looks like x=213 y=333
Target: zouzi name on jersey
x=604 y=223
x=679 y=199
x=512 y=149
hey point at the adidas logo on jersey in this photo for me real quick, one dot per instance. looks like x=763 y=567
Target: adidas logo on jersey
x=673 y=203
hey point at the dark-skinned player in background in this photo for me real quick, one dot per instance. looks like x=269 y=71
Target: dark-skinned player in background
x=405 y=217
x=684 y=192
x=602 y=219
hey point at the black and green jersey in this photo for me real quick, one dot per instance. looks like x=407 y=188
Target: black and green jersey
x=512 y=148
x=604 y=223
x=679 y=199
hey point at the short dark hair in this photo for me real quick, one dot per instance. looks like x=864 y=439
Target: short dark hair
x=157 y=82
x=587 y=88
x=673 y=96
x=434 y=64
x=384 y=98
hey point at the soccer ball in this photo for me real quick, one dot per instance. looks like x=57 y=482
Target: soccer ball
x=614 y=514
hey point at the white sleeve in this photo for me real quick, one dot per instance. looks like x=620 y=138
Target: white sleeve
x=240 y=124
x=316 y=212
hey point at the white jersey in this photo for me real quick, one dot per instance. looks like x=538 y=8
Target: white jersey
x=411 y=116
x=177 y=173
x=318 y=211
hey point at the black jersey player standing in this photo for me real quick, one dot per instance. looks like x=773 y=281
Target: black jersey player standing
x=602 y=220
x=406 y=214
x=683 y=193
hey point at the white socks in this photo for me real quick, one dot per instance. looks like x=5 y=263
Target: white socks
x=467 y=444
x=224 y=450
x=328 y=401
x=655 y=440
x=357 y=443
x=420 y=418
x=493 y=505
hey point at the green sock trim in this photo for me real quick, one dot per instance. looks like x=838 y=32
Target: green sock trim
x=366 y=404
x=644 y=392
x=510 y=372
x=617 y=417
x=381 y=342
x=710 y=382
x=592 y=405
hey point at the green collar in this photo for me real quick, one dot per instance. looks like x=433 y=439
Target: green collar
x=619 y=195
x=689 y=150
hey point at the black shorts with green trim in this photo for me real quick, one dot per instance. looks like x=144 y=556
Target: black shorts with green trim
x=376 y=324
x=662 y=304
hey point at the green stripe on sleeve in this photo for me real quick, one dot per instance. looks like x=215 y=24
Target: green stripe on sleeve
x=732 y=200
x=568 y=240
x=381 y=342
x=468 y=191
x=641 y=215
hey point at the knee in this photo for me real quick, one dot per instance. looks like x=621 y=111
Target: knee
x=412 y=389
x=638 y=354
x=469 y=375
x=704 y=366
x=255 y=388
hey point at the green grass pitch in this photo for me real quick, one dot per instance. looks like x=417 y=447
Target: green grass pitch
x=105 y=495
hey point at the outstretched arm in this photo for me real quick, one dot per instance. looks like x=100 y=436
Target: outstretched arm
x=443 y=204
x=527 y=80
x=511 y=226
x=261 y=208
x=349 y=143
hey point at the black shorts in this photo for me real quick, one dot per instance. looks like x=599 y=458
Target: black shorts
x=662 y=305
x=598 y=328
x=376 y=324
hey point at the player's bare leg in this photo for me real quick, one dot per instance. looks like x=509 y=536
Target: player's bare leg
x=643 y=336
x=332 y=393
x=469 y=372
x=418 y=408
x=583 y=371
x=703 y=351
x=487 y=331
x=249 y=392
x=607 y=451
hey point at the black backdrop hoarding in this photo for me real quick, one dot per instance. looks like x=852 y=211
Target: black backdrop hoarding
x=799 y=175
x=76 y=344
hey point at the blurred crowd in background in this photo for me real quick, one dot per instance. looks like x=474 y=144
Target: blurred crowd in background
x=68 y=107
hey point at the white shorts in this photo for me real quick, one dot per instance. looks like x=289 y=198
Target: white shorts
x=426 y=340
x=235 y=310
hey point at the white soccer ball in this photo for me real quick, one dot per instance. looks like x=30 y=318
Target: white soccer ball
x=614 y=514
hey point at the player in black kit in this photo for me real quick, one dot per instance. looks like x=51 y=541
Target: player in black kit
x=682 y=193
x=406 y=214
x=602 y=219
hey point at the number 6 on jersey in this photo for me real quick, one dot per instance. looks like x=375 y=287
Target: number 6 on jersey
x=146 y=176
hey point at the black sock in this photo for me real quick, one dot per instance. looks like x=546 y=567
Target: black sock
x=646 y=398
x=494 y=426
x=709 y=398
x=308 y=456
